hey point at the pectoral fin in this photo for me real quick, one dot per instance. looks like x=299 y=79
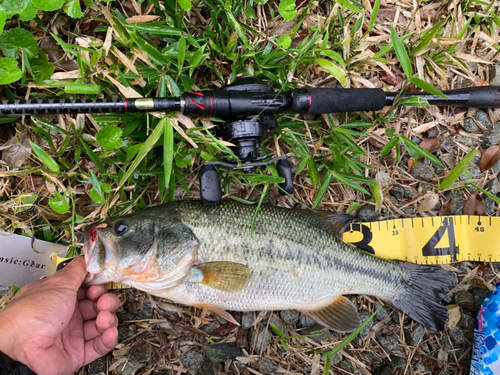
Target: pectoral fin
x=225 y=276
x=341 y=315
x=222 y=313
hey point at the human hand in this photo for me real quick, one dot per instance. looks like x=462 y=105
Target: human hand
x=56 y=326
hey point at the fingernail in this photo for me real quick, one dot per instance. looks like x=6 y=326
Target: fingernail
x=112 y=319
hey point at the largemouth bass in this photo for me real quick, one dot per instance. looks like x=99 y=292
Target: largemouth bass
x=206 y=256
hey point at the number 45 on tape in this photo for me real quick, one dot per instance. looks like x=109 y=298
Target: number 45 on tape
x=430 y=240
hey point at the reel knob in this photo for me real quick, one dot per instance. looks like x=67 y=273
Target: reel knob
x=210 y=187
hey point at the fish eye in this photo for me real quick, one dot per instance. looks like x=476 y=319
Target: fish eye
x=120 y=227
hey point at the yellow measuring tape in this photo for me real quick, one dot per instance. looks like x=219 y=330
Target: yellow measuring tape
x=430 y=240
x=425 y=240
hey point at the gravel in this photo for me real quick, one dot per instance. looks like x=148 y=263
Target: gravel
x=290 y=317
x=305 y=321
x=266 y=366
x=465 y=300
x=193 y=360
x=259 y=338
x=422 y=172
x=368 y=213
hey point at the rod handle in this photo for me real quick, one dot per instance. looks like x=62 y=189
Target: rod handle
x=317 y=101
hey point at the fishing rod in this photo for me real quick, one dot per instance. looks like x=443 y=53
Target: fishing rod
x=247 y=107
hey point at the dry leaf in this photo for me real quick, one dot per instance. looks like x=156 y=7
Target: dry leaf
x=141 y=19
x=241 y=338
x=17 y=150
x=489 y=158
x=475 y=205
x=431 y=144
x=429 y=203
x=393 y=80
x=445 y=209
x=455 y=314
x=480 y=283
x=223 y=330
x=411 y=164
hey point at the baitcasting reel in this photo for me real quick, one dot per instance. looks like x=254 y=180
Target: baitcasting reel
x=246 y=134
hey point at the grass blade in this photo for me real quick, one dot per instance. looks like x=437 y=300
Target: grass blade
x=400 y=50
x=322 y=189
x=45 y=158
x=458 y=170
x=373 y=17
x=145 y=148
x=427 y=87
x=168 y=151
x=333 y=69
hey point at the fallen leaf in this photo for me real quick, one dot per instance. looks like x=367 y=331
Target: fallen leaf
x=455 y=314
x=480 y=268
x=223 y=330
x=33 y=183
x=411 y=164
x=489 y=158
x=453 y=129
x=445 y=209
x=480 y=283
x=431 y=144
x=475 y=205
x=429 y=203
x=241 y=338
x=17 y=150
x=393 y=80
x=390 y=329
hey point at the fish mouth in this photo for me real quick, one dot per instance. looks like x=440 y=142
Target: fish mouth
x=98 y=251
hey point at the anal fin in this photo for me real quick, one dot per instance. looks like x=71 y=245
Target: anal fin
x=341 y=315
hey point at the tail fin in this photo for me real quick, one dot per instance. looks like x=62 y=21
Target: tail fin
x=426 y=287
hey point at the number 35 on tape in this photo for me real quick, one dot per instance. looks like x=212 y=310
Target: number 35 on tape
x=430 y=240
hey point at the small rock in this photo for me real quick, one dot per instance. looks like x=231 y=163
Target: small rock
x=391 y=345
x=496 y=168
x=416 y=140
x=135 y=309
x=457 y=337
x=490 y=205
x=416 y=335
x=422 y=172
x=398 y=363
x=438 y=169
x=246 y=320
x=193 y=361
x=470 y=125
x=397 y=191
x=479 y=297
x=306 y=322
x=259 y=340
x=383 y=312
x=221 y=352
x=97 y=367
x=433 y=132
x=491 y=137
x=319 y=332
x=493 y=186
x=130 y=368
x=467 y=321
x=465 y=300
x=290 y=317
x=467 y=141
x=141 y=353
x=386 y=370
x=166 y=327
x=448 y=144
x=482 y=117
x=424 y=187
x=448 y=160
x=124 y=333
x=266 y=366
x=386 y=160
x=368 y=213
x=457 y=205
x=364 y=315
x=475 y=173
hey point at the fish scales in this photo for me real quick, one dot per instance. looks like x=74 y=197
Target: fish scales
x=296 y=260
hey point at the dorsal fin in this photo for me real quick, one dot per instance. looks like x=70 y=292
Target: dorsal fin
x=341 y=315
x=339 y=221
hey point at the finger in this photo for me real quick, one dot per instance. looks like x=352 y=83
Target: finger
x=71 y=276
x=82 y=293
x=108 y=302
x=88 y=309
x=100 y=345
x=96 y=291
x=94 y=328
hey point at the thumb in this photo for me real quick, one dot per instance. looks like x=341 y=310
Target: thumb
x=73 y=275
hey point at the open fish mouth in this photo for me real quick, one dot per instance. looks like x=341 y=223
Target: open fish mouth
x=98 y=251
